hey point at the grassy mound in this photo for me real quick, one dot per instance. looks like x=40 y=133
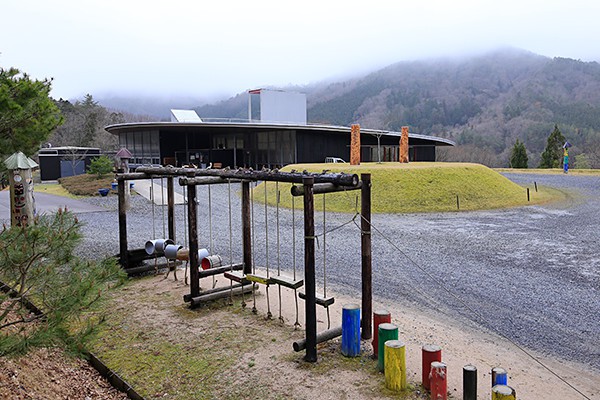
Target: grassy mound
x=417 y=187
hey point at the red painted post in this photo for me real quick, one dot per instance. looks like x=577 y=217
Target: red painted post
x=439 y=381
x=379 y=317
x=430 y=352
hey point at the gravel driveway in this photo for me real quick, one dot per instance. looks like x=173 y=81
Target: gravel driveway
x=530 y=273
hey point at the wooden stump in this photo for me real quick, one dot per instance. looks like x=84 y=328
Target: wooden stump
x=395 y=365
x=387 y=332
x=430 y=353
x=503 y=392
x=379 y=317
x=438 y=380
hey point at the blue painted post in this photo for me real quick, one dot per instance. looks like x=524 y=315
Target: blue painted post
x=351 y=330
x=499 y=376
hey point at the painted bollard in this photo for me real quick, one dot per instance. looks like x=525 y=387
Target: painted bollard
x=387 y=331
x=395 y=365
x=430 y=353
x=503 y=392
x=351 y=330
x=499 y=376
x=379 y=317
x=438 y=381
x=469 y=382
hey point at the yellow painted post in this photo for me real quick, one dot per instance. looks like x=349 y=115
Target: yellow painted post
x=503 y=392
x=395 y=365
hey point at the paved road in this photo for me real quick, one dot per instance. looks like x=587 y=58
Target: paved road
x=143 y=187
x=46 y=203
x=531 y=273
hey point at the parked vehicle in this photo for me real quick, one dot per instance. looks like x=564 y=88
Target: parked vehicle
x=334 y=160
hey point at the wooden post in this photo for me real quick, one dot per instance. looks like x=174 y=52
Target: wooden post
x=246 y=227
x=535 y=184
x=379 y=317
x=322 y=336
x=395 y=365
x=404 y=145
x=309 y=271
x=351 y=330
x=430 y=353
x=503 y=392
x=366 y=257
x=439 y=381
x=469 y=382
x=193 y=241
x=20 y=178
x=171 y=208
x=499 y=376
x=387 y=332
x=457 y=203
x=355 y=145
x=122 y=223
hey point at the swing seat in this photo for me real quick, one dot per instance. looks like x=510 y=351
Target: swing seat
x=319 y=299
x=237 y=276
x=287 y=281
x=260 y=279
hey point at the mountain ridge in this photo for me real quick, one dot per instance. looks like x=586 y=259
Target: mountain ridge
x=483 y=102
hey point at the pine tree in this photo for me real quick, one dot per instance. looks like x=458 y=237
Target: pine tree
x=38 y=262
x=552 y=155
x=27 y=113
x=518 y=156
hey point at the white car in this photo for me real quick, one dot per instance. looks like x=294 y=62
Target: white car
x=334 y=160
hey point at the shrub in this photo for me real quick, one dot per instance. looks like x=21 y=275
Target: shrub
x=100 y=166
x=38 y=265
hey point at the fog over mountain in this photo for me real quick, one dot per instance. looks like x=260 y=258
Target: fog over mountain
x=482 y=102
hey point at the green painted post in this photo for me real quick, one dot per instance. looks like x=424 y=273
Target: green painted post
x=387 y=331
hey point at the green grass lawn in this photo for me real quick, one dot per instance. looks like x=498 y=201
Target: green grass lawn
x=53 y=188
x=549 y=171
x=417 y=187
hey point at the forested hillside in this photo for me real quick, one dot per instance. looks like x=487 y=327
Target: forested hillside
x=483 y=103
x=84 y=122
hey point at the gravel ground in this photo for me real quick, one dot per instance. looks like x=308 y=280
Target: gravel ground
x=531 y=273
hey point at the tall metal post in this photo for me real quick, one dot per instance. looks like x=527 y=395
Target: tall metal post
x=365 y=249
x=309 y=271
x=171 y=208
x=246 y=228
x=193 y=239
x=122 y=223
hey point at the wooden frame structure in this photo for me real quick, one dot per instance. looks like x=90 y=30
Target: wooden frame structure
x=311 y=183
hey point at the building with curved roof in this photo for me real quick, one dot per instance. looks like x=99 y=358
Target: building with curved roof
x=275 y=134
x=259 y=144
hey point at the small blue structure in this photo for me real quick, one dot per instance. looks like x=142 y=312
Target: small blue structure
x=351 y=330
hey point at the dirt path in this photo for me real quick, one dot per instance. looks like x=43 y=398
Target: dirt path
x=257 y=361
x=165 y=350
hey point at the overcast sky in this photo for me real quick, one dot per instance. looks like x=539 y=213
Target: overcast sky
x=221 y=47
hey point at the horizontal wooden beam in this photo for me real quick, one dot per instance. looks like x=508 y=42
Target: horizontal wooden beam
x=205 y=180
x=340 y=179
x=320 y=188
